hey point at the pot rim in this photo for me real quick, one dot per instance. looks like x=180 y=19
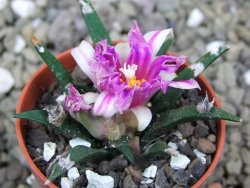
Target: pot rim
x=41 y=177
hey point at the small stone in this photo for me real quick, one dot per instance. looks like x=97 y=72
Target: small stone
x=186 y=129
x=104 y=167
x=201 y=131
x=37 y=137
x=197 y=168
x=3 y=4
x=150 y=172
x=179 y=162
x=147 y=181
x=173 y=145
x=195 y=18
x=161 y=180
x=206 y=146
x=169 y=171
x=73 y=173
x=128 y=182
x=116 y=177
x=246 y=182
x=181 y=177
x=66 y=182
x=19 y=44
x=233 y=166
x=8 y=184
x=6 y=81
x=30 y=55
x=2 y=174
x=245 y=155
x=186 y=149
x=96 y=180
x=79 y=142
x=212 y=137
x=200 y=155
x=30 y=180
x=49 y=149
x=247 y=77
x=118 y=163
x=23 y=8
x=167 y=5
x=14 y=171
x=135 y=173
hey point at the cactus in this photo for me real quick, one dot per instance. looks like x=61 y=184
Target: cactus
x=164 y=115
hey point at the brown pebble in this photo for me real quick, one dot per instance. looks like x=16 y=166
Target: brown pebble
x=212 y=138
x=206 y=146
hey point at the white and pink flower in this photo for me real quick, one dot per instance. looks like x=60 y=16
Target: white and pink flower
x=129 y=74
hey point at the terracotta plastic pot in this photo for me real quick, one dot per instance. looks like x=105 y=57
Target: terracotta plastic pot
x=39 y=83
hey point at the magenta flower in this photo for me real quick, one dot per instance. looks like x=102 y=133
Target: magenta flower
x=75 y=102
x=126 y=81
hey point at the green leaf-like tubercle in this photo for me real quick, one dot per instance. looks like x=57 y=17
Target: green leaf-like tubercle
x=77 y=155
x=155 y=149
x=122 y=146
x=162 y=102
x=165 y=47
x=96 y=28
x=69 y=126
x=168 y=120
x=62 y=76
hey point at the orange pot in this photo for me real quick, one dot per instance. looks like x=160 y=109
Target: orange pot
x=38 y=85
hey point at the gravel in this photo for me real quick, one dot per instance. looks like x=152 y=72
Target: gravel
x=61 y=27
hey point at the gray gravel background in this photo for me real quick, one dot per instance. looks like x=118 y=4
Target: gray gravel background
x=59 y=24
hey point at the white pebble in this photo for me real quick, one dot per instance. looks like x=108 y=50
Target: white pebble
x=195 y=18
x=178 y=134
x=19 y=44
x=247 y=77
x=200 y=155
x=3 y=4
x=150 y=172
x=214 y=46
x=79 y=142
x=66 y=182
x=23 y=8
x=147 y=181
x=183 y=142
x=179 y=161
x=172 y=145
x=49 y=149
x=6 y=81
x=73 y=173
x=95 y=180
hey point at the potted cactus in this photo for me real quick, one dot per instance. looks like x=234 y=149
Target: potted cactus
x=127 y=109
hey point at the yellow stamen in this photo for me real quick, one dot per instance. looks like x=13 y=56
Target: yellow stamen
x=134 y=82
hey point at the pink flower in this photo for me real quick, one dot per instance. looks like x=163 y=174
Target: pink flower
x=128 y=74
x=75 y=102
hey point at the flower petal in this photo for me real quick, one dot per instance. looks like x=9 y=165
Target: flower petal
x=185 y=84
x=143 y=115
x=156 y=38
x=105 y=105
x=140 y=51
x=122 y=49
x=167 y=64
x=83 y=55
